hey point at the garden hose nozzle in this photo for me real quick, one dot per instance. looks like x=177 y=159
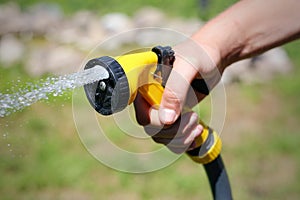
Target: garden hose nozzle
x=147 y=73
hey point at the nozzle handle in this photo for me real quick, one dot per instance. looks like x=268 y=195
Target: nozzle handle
x=208 y=144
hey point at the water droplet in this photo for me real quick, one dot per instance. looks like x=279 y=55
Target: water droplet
x=21 y=98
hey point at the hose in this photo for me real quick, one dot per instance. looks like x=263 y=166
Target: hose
x=218 y=179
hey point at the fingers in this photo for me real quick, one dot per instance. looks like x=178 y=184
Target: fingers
x=180 y=135
x=142 y=110
x=176 y=91
x=191 y=60
x=145 y=114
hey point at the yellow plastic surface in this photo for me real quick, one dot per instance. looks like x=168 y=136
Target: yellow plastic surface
x=212 y=153
x=152 y=93
x=137 y=67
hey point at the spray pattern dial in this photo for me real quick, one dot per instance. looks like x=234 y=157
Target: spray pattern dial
x=110 y=95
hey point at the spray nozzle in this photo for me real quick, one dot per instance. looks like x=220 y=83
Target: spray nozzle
x=147 y=73
x=126 y=72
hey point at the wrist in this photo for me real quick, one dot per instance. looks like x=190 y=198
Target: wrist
x=195 y=60
x=203 y=57
x=223 y=39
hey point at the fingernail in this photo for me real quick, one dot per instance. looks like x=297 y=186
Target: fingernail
x=200 y=129
x=194 y=117
x=167 y=116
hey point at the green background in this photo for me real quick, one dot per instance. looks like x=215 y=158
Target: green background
x=41 y=156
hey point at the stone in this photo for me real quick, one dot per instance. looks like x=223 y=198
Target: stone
x=116 y=22
x=185 y=26
x=37 y=19
x=238 y=72
x=83 y=30
x=11 y=50
x=114 y=25
x=44 y=17
x=148 y=37
x=11 y=18
x=149 y=17
x=55 y=59
x=259 y=69
x=275 y=61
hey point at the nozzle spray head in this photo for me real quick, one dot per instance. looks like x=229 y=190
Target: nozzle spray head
x=109 y=95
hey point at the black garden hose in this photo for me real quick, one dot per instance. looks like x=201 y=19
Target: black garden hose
x=218 y=179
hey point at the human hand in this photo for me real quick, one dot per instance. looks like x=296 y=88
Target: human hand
x=178 y=137
x=166 y=125
x=192 y=62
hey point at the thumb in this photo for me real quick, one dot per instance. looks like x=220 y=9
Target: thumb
x=176 y=90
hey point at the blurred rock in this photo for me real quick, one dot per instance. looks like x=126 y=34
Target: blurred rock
x=155 y=18
x=238 y=72
x=185 y=26
x=11 y=18
x=275 y=61
x=115 y=23
x=38 y=19
x=53 y=59
x=11 y=50
x=64 y=38
x=149 y=17
x=147 y=37
x=83 y=29
x=44 y=17
x=259 y=69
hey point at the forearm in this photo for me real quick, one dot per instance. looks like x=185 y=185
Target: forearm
x=248 y=28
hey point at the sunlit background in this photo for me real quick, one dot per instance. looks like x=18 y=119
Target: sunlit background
x=41 y=155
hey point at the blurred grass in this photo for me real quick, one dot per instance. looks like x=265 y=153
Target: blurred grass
x=41 y=156
x=268 y=156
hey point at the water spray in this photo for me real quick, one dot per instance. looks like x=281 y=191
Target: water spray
x=147 y=73
x=56 y=86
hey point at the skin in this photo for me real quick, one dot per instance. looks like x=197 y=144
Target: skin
x=247 y=28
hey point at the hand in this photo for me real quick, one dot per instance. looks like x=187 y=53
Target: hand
x=178 y=137
x=165 y=125
x=191 y=61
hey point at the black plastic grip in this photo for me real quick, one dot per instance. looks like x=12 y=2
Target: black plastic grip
x=200 y=86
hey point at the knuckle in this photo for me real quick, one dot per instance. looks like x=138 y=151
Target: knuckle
x=171 y=98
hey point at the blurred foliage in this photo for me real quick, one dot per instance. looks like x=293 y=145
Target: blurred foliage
x=192 y=8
